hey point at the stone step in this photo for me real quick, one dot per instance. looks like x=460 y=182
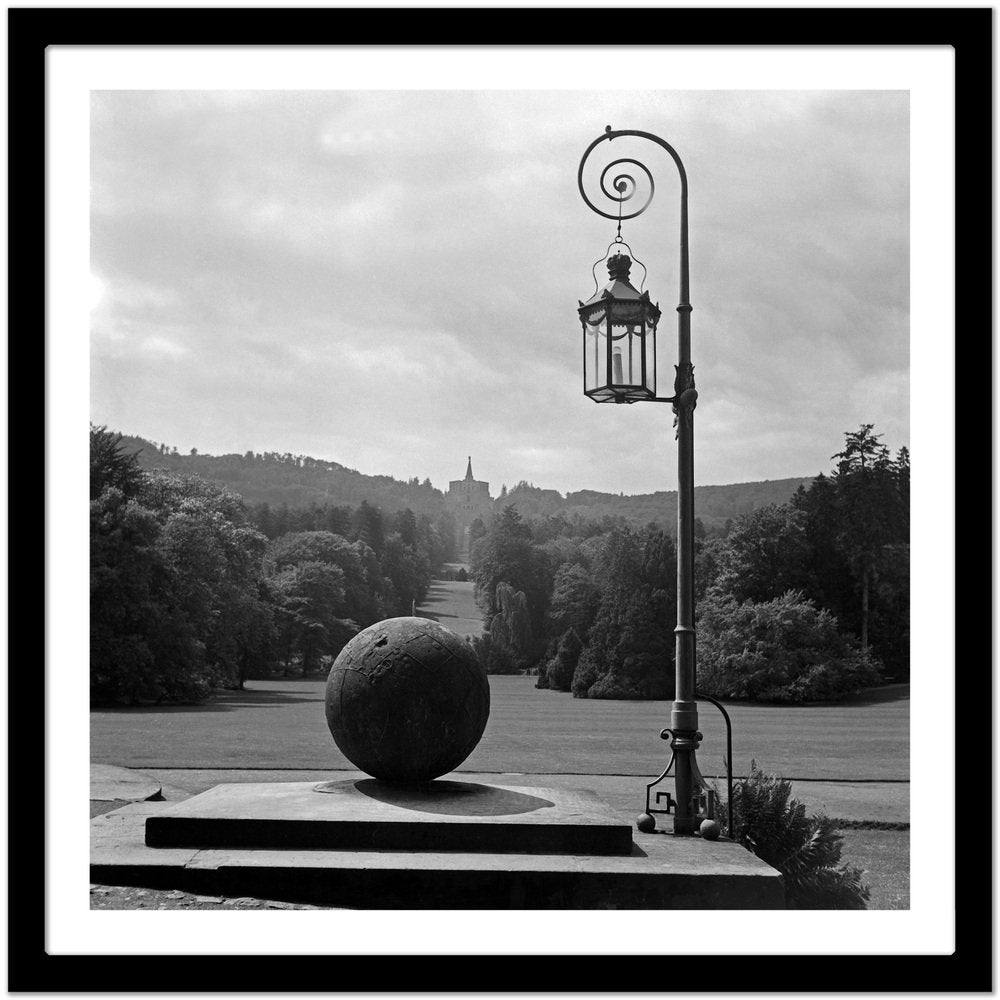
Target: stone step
x=660 y=872
x=365 y=814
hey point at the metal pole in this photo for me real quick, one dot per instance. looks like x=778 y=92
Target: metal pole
x=684 y=714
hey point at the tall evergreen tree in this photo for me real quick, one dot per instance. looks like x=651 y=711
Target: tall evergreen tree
x=369 y=527
x=766 y=553
x=405 y=522
x=872 y=513
x=630 y=649
x=506 y=554
x=576 y=598
x=111 y=465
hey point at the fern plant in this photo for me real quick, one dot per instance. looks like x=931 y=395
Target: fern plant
x=769 y=821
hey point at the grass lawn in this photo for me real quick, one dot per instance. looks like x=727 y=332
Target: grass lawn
x=451 y=603
x=884 y=856
x=280 y=724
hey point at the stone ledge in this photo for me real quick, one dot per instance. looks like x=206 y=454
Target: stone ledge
x=364 y=814
x=662 y=872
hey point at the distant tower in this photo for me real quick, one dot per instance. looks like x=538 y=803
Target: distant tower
x=467 y=499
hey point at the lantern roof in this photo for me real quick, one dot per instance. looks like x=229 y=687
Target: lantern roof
x=619 y=286
x=620 y=289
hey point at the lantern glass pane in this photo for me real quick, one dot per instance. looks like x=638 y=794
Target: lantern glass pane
x=594 y=350
x=650 y=349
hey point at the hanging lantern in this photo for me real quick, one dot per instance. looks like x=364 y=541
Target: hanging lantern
x=619 y=339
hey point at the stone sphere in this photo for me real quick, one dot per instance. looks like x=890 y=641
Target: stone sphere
x=709 y=829
x=407 y=700
x=645 y=823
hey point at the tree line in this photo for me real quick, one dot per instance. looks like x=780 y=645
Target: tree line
x=283 y=478
x=716 y=505
x=296 y=481
x=807 y=600
x=192 y=590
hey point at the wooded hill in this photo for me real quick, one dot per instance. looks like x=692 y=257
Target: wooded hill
x=714 y=505
x=299 y=481
x=295 y=480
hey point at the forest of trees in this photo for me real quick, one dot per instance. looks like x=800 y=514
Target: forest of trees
x=194 y=588
x=801 y=601
x=191 y=590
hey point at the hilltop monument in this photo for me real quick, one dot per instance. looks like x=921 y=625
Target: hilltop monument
x=468 y=499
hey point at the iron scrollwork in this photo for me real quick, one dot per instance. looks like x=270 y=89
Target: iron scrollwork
x=705 y=803
x=623 y=186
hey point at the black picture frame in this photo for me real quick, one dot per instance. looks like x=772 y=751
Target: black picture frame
x=30 y=32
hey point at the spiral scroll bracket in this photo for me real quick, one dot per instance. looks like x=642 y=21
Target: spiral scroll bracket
x=624 y=187
x=628 y=192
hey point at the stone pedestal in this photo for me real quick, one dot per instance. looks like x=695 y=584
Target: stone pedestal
x=372 y=815
x=453 y=844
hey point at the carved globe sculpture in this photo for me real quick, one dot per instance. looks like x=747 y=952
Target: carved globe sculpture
x=407 y=700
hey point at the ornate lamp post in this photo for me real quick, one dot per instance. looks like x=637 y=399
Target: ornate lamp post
x=619 y=345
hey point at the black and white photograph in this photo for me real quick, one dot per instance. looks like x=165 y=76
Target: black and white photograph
x=370 y=571
x=499 y=497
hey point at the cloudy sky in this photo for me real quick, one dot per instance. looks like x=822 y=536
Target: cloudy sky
x=389 y=279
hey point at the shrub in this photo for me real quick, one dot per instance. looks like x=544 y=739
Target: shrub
x=771 y=823
x=785 y=650
x=496 y=655
x=585 y=675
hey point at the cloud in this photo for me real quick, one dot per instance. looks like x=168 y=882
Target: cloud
x=163 y=347
x=389 y=279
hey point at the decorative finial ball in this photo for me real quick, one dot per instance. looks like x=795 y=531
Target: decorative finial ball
x=645 y=823
x=709 y=829
x=407 y=700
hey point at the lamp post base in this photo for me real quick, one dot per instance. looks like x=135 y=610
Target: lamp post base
x=695 y=800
